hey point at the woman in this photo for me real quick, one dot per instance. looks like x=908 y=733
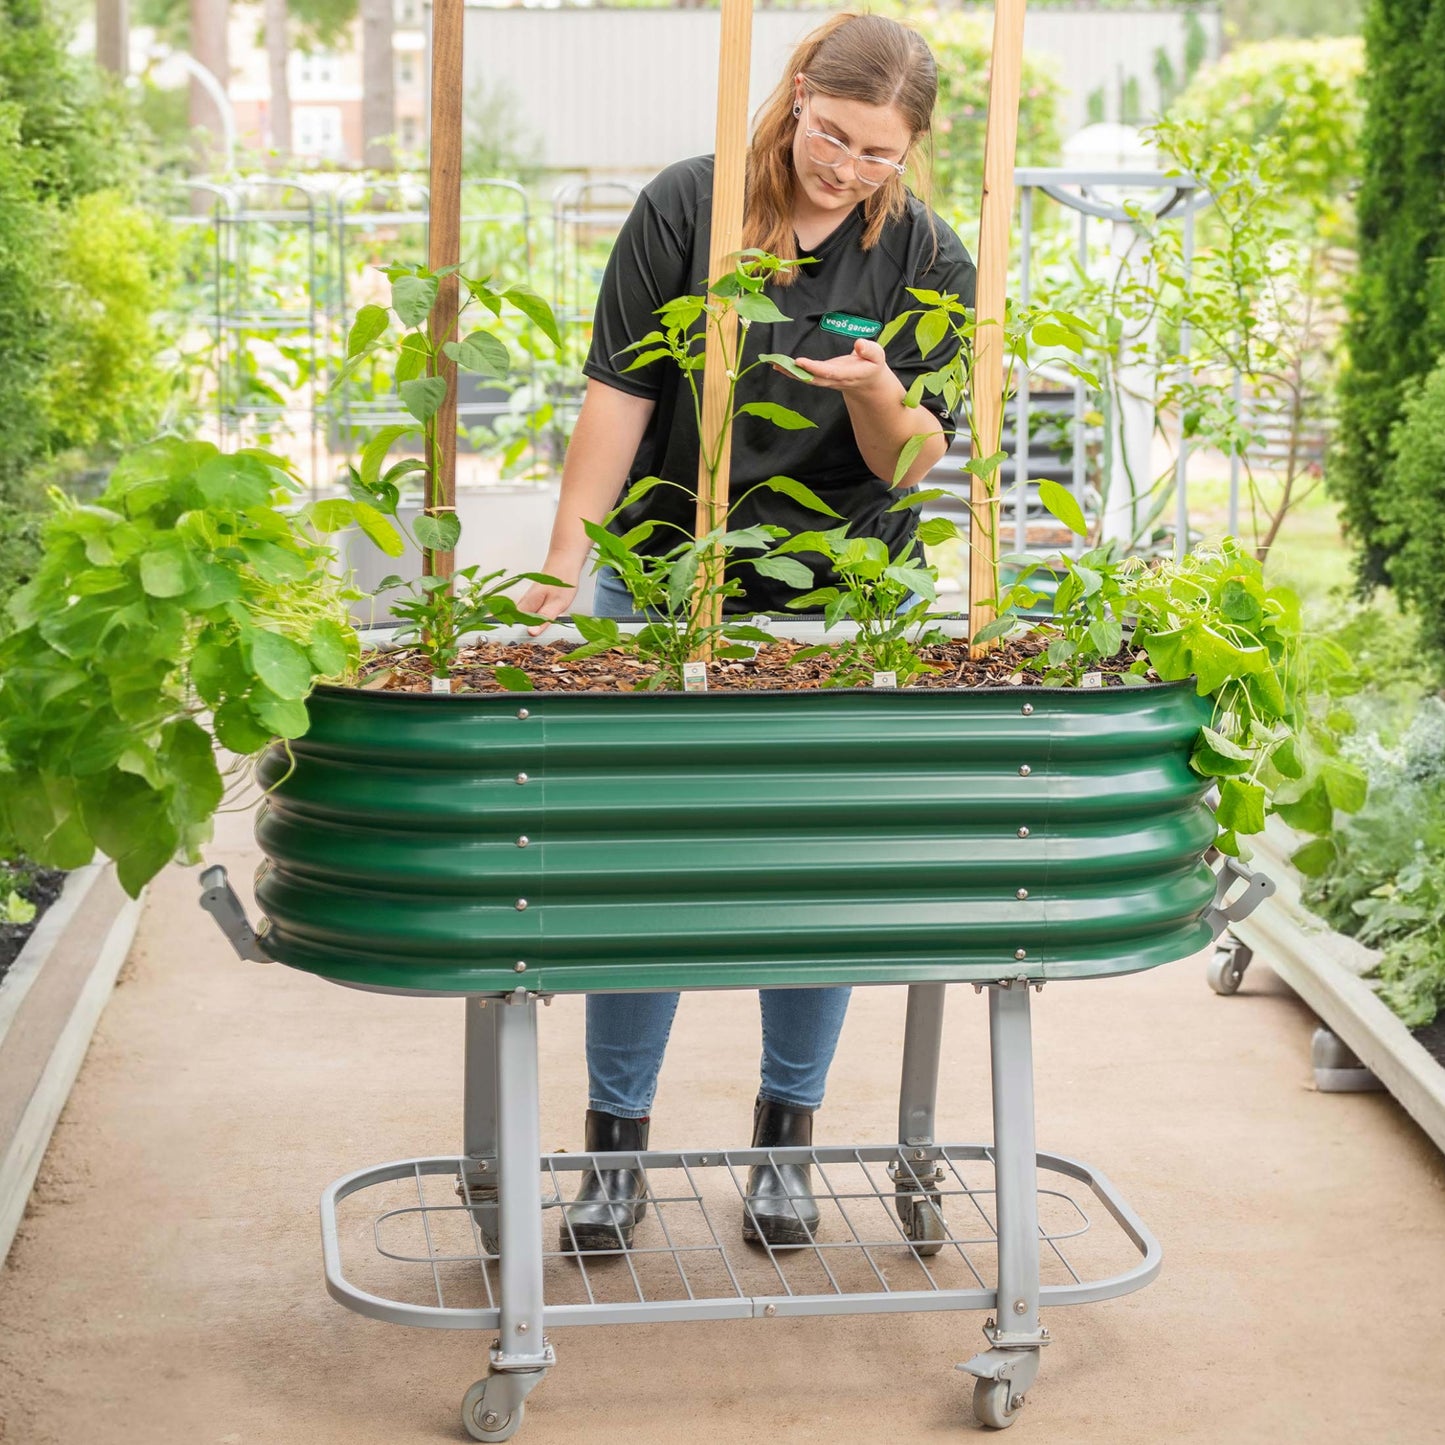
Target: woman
x=824 y=180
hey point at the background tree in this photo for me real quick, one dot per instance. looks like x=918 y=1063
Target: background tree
x=1396 y=331
x=278 y=55
x=210 y=45
x=378 y=95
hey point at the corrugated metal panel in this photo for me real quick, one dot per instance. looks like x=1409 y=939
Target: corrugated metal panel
x=734 y=839
x=631 y=91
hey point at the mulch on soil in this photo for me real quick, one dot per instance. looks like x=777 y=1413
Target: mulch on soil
x=775 y=668
x=42 y=892
x=1432 y=1036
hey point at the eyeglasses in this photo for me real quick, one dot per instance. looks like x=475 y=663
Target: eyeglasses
x=828 y=150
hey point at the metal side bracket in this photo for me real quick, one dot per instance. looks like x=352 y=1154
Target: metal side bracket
x=1226 y=910
x=219 y=899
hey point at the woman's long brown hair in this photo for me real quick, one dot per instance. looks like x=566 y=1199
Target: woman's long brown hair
x=866 y=58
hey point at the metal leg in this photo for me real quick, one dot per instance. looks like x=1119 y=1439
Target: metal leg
x=1008 y=1368
x=492 y=1409
x=918 y=1172
x=478 y=1184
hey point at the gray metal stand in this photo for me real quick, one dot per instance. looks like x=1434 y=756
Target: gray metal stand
x=911 y=1225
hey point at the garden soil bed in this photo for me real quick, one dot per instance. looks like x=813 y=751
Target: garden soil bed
x=550 y=668
x=42 y=891
x=1432 y=1039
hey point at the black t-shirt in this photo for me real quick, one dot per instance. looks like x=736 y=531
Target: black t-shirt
x=662 y=252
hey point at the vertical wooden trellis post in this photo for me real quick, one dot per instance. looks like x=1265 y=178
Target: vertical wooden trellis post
x=994 y=230
x=730 y=158
x=444 y=248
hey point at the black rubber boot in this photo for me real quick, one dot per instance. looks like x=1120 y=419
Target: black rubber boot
x=780 y=1208
x=609 y=1201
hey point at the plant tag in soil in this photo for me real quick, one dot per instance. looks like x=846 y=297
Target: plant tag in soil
x=1092 y=679
x=885 y=679
x=441 y=684
x=694 y=677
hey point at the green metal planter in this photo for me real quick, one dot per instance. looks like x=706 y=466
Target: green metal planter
x=455 y=844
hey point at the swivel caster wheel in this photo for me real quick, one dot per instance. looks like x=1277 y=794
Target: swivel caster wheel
x=484 y=1423
x=995 y=1404
x=923 y=1223
x=1226 y=968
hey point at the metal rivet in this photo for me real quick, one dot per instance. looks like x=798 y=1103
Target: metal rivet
x=1027 y=709
x=521 y=778
x=770 y=1310
x=523 y=713
x=1022 y=894
x=523 y=1326
x=702 y=1159
x=1023 y=832
x=1020 y=1308
x=519 y=967
x=1024 y=770
x=1021 y=953
x=523 y=841
x=521 y=905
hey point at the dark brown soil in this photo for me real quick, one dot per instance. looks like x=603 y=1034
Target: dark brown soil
x=42 y=889
x=1432 y=1036
x=773 y=669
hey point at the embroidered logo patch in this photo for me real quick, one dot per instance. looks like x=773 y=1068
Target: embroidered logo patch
x=841 y=324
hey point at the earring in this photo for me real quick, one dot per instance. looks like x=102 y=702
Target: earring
x=797 y=110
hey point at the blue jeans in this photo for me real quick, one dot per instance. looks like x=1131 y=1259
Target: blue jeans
x=627 y=1032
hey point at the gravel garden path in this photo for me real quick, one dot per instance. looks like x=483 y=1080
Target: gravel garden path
x=166 y=1289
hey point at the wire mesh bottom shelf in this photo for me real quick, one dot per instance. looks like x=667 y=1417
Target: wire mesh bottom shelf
x=416 y=1241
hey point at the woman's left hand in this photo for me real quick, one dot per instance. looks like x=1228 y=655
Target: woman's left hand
x=865 y=368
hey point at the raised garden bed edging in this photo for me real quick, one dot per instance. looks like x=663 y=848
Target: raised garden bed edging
x=613 y=841
x=50 y=1002
x=1326 y=969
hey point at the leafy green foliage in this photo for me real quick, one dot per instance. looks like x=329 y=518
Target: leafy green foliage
x=1396 y=329
x=186 y=588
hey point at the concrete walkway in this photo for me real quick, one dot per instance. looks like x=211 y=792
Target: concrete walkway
x=166 y=1287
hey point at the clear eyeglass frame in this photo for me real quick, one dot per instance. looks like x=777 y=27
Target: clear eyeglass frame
x=828 y=150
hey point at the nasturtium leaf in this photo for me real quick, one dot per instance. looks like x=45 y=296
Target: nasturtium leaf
x=1062 y=504
x=165 y=572
x=213 y=585
x=131 y=823
x=333 y=514
x=273 y=563
x=370 y=322
x=1312 y=813
x=412 y=298
x=329 y=647
x=780 y=416
x=216 y=670
x=1285 y=757
x=1240 y=602
x=786 y=363
x=235 y=482
x=1315 y=857
x=512 y=678
x=480 y=352
x=423 y=396
x=286 y=717
x=281 y=664
x=438 y=533
x=1345 y=784
x=1241 y=806
x=237 y=729
x=188 y=755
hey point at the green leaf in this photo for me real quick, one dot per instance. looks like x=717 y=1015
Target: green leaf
x=166 y=571
x=1345 y=784
x=376 y=448
x=370 y=322
x=423 y=396
x=412 y=359
x=754 y=307
x=933 y=531
x=803 y=495
x=480 y=352
x=1107 y=635
x=1241 y=806
x=787 y=570
x=786 y=363
x=235 y=482
x=922 y=580
x=536 y=310
x=281 y=664
x=412 y=298
x=197 y=788
x=930 y=332
x=286 y=717
x=1313 y=813
x=907 y=455
x=780 y=416
x=999 y=627
x=380 y=530
x=512 y=678
x=329 y=648
x=237 y=729
x=439 y=533
x=1049 y=333
x=1061 y=503
x=1314 y=858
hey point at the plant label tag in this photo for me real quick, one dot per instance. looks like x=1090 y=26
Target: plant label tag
x=694 y=677
x=441 y=684
x=885 y=679
x=1092 y=679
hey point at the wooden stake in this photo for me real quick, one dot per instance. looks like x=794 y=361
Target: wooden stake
x=729 y=164
x=444 y=248
x=994 y=226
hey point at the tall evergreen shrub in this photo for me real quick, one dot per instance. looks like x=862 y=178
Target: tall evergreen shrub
x=1396 y=330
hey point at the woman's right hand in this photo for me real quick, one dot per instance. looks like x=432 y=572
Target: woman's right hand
x=543 y=600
